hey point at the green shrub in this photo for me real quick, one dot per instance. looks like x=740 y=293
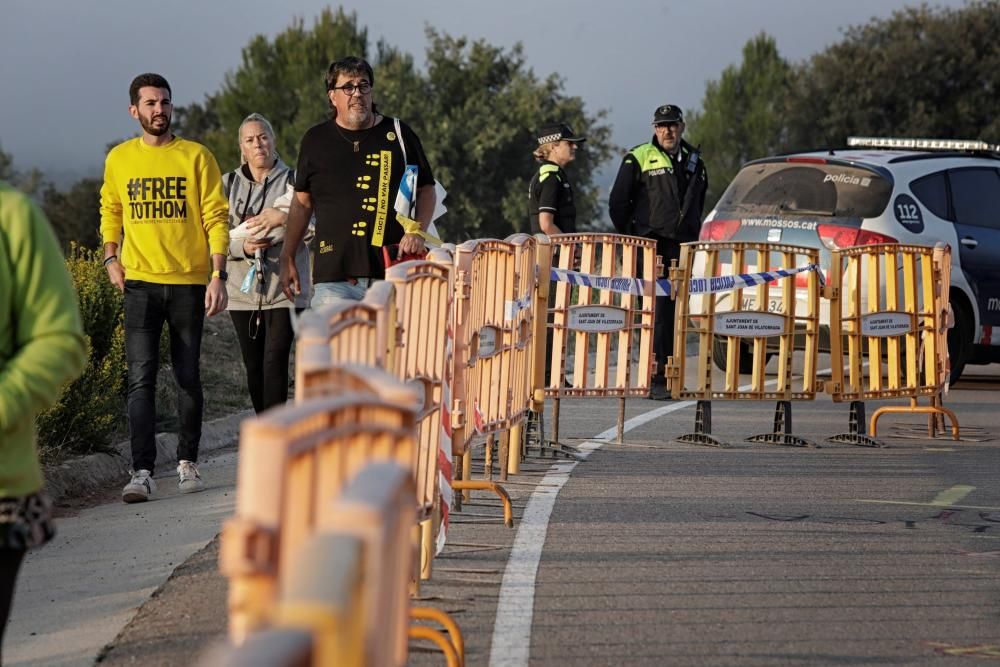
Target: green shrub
x=90 y=409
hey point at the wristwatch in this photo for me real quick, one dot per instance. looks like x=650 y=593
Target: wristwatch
x=221 y=275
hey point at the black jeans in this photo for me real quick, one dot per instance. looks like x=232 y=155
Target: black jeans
x=663 y=328
x=265 y=346
x=147 y=307
x=10 y=563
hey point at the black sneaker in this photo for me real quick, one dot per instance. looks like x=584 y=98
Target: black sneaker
x=658 y=390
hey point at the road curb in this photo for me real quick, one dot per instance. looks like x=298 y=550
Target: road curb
x=93 y=472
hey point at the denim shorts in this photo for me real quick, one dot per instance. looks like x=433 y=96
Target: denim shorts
x=327 y=293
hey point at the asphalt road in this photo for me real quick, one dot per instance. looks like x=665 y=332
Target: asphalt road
x=654 y=552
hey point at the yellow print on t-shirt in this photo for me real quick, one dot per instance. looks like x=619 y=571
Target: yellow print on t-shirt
x=382 y=205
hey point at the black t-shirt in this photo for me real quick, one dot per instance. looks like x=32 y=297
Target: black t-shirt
x=354 y=194
x=550 y=192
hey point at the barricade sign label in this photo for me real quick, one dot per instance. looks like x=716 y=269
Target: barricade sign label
x=596 y=318
x=488 y=342
x=749 y=324
x=886 y=324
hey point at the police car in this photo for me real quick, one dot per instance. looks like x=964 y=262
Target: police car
x=884 y=190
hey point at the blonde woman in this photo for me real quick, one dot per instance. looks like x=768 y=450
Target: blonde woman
x=259 y=194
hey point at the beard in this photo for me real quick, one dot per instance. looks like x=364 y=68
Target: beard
x=357 y=117
x=150 y=127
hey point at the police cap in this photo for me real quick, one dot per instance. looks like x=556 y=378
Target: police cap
x=557 y=132
x=668 y=113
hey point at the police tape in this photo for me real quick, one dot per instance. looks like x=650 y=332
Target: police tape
x=513 y=307
x=710 y=285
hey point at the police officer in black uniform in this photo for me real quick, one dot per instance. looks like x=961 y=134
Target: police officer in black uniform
x=660 y=194
x=550 y=196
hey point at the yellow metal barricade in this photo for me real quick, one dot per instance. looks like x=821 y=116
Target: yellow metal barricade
x=524 y=312
x=890 y=306
x=345 y=601
x=355 y=332
x=485 y=343
x=423 y=299
x=737 y=302
x=294 y=460
x=377 y=508
x=602 y=311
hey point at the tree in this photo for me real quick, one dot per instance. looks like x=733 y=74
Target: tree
x=475 y=111
x=743 y=114
x=482 y=108
x=75 y=213
x=281 y=79
x=28 y=183
x=920 y=73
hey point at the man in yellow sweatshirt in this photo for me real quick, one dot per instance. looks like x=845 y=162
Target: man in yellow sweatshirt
x=165 y=232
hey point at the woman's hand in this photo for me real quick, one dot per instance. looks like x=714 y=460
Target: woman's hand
x=269 y=219
x=250 y=247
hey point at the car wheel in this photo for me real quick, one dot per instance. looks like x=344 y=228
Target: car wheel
x=745 y=355
x=959 y=341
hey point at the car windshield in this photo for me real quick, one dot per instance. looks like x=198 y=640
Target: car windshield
x=790 y=188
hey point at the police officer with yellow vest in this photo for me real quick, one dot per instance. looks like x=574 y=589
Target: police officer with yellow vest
x=659 y=194
x=550 y=196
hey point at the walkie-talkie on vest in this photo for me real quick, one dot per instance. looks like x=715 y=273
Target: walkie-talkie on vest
x=692 y=163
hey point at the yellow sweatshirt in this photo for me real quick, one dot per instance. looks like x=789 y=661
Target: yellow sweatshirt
x=169 y=202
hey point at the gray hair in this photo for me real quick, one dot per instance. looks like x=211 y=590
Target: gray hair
x=256 y=118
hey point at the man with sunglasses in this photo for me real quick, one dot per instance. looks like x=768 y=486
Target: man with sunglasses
x=660 y=194
x=349 y=173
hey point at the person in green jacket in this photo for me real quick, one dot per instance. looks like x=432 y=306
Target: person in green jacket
x=41 y=348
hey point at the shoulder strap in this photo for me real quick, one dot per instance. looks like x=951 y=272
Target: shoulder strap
x=399 y=137
x=230 y=177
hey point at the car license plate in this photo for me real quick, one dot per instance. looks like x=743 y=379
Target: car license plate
x=773 y=305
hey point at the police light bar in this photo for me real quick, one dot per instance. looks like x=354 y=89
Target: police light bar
x=923 y=144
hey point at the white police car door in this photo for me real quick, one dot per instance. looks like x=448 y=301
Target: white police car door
x=975 y=197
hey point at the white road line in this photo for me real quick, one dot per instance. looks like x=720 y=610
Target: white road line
x=511 y=644
x=904 y=502
x=953 y=495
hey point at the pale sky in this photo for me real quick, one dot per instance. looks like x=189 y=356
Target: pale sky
x=67 y=63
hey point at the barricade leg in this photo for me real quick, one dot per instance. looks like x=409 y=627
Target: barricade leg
x=857 y=425
x=454 y=632
x=782 y=433
x=554 y=445
x=702 y=427
x=426 y=548
x=514 y=444
x=469 y=485
x=621 y=421
x=466 y=475
x=488 y=460
x=916 y=409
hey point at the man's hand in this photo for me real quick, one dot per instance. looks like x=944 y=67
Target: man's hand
x=116 y=274
x=289 y=277
x=216 y=298
x=268 y=219
x=250 y=247
x=412 y=244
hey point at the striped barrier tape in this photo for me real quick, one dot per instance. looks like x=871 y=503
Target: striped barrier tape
x=712 y=285
x=512 y=308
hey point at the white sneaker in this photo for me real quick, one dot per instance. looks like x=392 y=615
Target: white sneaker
x=190 y=480
x=140 y=488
